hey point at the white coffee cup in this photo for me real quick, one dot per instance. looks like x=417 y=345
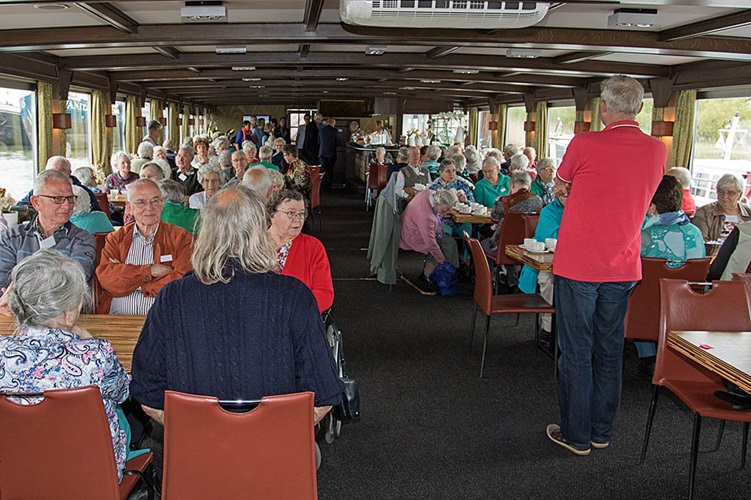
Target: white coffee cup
x=537 y=246
x=528 y=242
x=115 y=192
x=550 y=243
x=11 y=218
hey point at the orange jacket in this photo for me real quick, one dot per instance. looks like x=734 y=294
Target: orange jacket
x=120 y=280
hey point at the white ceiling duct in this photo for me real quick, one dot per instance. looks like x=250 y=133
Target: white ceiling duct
x=457 y=14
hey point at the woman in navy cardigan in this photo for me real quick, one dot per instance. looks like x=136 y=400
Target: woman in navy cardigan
x=268 y=339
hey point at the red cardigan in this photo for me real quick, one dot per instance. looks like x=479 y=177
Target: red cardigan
x=308 y=262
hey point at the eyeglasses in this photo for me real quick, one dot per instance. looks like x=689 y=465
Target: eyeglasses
x=547 y=169
x=59 y=200
x=141 y=204
x=296 y=215
x=720 y=192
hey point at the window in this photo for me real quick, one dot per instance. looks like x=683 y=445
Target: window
x=18 y=131
x=414 y=127
x=721 y=144
x=645 y=117
x=450 y=127
x=484 y=134
x=118 y=133
x=79 y=135
x=515 y=118
x=560 y=130
x=296 y=119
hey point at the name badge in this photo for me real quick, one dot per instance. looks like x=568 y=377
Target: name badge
x=47 y=243
x=182 y=177
x=165 y=258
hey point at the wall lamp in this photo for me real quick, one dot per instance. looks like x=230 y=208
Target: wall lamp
x=61 y=121
x=140 y=121
x=529 y=126
x=581 y=127
x=662 y=129
x=110 y=121
x=493 y=126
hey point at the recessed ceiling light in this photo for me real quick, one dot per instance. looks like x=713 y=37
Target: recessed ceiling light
x=426 y=80
x=231 y=50
x=375 y=51
x=243 y=68
x=523 y=53
x=51 y=6
x=325 y=91
x=251 y=79
x=634 y=18
x=406 y=88
x=256 y=86
x=342 y=79
x=389 y=93
x=466 y=71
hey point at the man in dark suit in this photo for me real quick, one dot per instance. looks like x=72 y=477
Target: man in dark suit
x=328 y=138
x=310 y=146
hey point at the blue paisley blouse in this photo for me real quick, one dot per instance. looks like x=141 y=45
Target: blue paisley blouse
x=38 y=359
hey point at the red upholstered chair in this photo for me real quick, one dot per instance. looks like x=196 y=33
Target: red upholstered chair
x=315 y=194
x=61 y=448
x=643 y=314
x=513 y=232
x=268 y=452
x=724 y=308
x=530 y=225
x=498 y=304
x=104 y=203
x=744 y=277
x=376 y=181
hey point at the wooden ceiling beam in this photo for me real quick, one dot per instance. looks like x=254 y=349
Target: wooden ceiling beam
x=417 y=61
x=438 y=52
x=38 y=39
x=312 y=14
x=708 y=27
x=110 y=15
x=170 y=52
x=577 y=57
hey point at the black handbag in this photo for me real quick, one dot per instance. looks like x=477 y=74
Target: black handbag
x=349 y=409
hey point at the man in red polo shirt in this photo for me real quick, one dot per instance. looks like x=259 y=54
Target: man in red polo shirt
x=597 y=263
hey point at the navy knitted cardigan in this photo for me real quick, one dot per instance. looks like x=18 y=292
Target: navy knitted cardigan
x=258 y=335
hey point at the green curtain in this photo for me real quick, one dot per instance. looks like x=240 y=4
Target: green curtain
x=500 y=114
x=685 y=109
x=540 y=142
x=473 y=126
x=185 y=129
x=174 y=129
x=44 y=123
x=596 y=125
x=100 y=105
x=132 y=130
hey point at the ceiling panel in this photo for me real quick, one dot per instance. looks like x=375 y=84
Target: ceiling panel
x=646 y=59
x=480 y=51
x=269 y=48
x=390 y=49
x=101 y=52
x=238 y=11
x=26 y=16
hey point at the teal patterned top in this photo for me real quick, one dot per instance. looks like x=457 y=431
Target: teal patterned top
x=671 y=236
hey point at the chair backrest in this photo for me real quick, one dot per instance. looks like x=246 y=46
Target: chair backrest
x=530 y=225
x=643 y=314
x=315 y=190
x=483 y=283
x=748 y=268
x=512 y=233
x=377 y=176
x=104 y=203
x=267 y=452
x=58 y=448
x=744 y=277
x=724 y=308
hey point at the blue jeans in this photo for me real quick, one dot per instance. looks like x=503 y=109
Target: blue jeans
x=589 y=319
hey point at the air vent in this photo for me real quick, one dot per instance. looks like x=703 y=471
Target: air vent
x=466 y=14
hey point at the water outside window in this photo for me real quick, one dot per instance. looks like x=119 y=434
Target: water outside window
x=721 y=144
x=79 y=135
x=484 y=134
x=560 y=130
x=118 y=133
x=17 y=141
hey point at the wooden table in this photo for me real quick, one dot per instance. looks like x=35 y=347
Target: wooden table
x=729 y=356
x=121 y=331
x=471 y=219
x=119 y=200
x=542 y=262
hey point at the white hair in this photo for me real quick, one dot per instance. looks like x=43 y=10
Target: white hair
x=208 y=169
x=433 y=152
x=145 y=150
x=84 y=175
x=117 y=156
x=521 y=178
x=682 y=174
x=622 y=94
x=731 y=180
x=172 y=191
x=82 y=204
x=258 y=180
x=54 y=161
x=41 y=179
x=265 y=153
x=518 y=162
x=137 y=185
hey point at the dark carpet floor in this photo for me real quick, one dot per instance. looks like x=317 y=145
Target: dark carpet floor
x=432 y=429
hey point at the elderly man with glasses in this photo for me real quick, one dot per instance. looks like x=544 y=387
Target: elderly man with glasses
x=51 y=228
x=140 y=259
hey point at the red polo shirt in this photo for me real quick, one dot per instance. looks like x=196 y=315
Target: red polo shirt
x=613 y=176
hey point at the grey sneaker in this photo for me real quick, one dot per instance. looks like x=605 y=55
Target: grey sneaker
x=599 y=444
x=554 y=433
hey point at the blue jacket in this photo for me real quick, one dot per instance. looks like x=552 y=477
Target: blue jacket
x=547 y=227
x=92 y=199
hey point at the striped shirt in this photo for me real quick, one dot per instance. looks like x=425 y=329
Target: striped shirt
x=141 y=253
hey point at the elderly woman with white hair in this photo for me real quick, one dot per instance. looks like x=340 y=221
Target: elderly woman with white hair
x=423 y=232
x=278 y=157
x=254 y=353
x=718 y=219
x=87 y=177
x=210 y=177
x=83 y=217
x=221 y=144
x=145 y=154
x=49 y=350
x=265 y=154
x=684 y=177
x=474 y=162
x=251 y=152
x=493 y=184
x=122 y=175
x=224 y=161
x=542 y=186
x=152 y=171
x=174 y=210
x=432 y=153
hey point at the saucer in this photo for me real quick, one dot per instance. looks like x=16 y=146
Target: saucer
x=533 y=251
